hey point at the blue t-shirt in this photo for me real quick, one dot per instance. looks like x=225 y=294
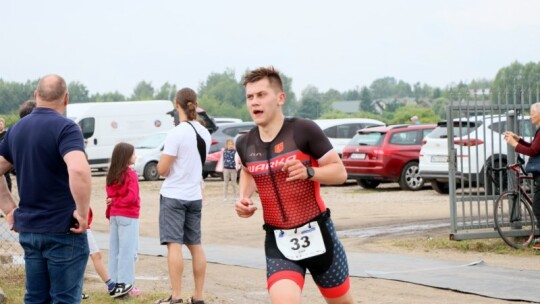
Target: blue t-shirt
x=36 y=146
x=228 y=159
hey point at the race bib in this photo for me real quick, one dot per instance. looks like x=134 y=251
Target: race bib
x=300 y=243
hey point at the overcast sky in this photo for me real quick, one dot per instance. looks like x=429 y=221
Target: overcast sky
x=113 y=44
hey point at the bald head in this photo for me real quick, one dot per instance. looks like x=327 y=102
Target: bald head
x=51 y=88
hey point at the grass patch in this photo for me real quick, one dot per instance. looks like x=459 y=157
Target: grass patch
x=13 y=285
x=497 y=246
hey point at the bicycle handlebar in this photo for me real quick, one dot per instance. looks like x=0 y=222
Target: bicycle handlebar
x=514 y=167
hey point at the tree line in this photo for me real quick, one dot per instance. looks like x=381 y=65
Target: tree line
x=388 y=99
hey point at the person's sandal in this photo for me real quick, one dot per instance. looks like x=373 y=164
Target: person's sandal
x=192 y=301
x=169 y=300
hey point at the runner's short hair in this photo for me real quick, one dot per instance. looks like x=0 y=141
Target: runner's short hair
x=269 y=73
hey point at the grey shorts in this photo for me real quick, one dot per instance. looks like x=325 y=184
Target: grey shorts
x=179 y=221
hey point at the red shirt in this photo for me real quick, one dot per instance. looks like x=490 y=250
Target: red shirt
x=530 y=149
x=125 y=197
x=285 y=204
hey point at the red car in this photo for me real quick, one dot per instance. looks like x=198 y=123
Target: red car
x=386 y=154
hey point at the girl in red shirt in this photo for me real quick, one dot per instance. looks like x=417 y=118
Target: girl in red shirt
x=123 y=206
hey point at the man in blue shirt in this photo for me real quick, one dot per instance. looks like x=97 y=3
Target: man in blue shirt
x=54 y=183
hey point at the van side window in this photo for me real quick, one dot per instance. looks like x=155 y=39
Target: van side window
x=87 y=126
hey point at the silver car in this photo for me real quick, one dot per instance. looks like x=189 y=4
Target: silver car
x=148 y=151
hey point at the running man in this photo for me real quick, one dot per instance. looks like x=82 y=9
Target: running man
x=286 y=160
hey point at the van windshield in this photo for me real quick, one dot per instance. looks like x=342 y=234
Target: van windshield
x=151 y=142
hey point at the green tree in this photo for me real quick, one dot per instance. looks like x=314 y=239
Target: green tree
x=166 y=92
x=218 y=109
x=143 y=91
x=107 y=97
x=459 y=92
x=403 y=89
x=516 y=81
x=328 y=98
x=223 y=88
x=12 y=94
x=291 y=104
x=383 y=87
x=366 y=102
x=351 y=94
x=78 y=92
x=436 y=93
x=422 y=91
x=439 y=106
x=403 y=115
x=310 y=104
x=417 y=91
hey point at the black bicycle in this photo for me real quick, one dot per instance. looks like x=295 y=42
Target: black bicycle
x=513 y=214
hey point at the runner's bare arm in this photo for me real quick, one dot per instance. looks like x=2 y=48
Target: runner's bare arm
x=244 y=207
x=330 y=171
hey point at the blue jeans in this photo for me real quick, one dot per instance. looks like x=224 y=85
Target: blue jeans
x=55 y=264
x=123 y=246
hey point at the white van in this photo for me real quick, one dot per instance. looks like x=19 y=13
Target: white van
x=226 y=120
x=104 y=124
x=340 y=130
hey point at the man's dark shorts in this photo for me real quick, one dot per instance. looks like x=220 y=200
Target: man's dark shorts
x=179 y=221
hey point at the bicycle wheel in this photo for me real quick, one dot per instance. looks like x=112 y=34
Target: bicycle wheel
x=514 y=219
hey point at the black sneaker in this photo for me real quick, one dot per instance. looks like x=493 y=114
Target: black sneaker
x=120 y=289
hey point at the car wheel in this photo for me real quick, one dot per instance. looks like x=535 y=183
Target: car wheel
x=367 y=184
x=440 y=187
x=409 y=179
x=150 y=172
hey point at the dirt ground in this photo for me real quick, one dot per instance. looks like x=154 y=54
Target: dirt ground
x=352 y=208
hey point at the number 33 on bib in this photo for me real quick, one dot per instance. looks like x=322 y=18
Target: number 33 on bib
x=300 y=243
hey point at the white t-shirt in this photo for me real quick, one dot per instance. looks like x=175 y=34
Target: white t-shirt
x=185 y=176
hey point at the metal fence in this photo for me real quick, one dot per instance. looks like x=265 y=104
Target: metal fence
x=11 y=253
x=476 y=144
